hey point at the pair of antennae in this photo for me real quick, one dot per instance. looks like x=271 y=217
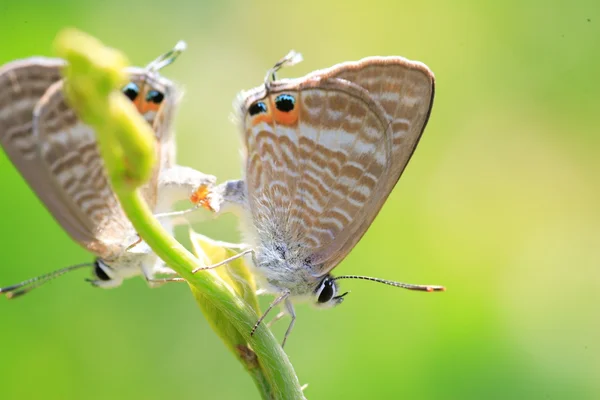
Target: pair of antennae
x=162 y=61
x=25 y=287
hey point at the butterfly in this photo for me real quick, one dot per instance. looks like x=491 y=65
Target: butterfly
x=322 y=153
x=57 y=154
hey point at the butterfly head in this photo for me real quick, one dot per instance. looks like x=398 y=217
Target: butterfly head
x=327 y=291
x=110 y=274
x=105 y=276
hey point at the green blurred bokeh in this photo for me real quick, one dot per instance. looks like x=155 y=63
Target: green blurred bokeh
x=499 y=204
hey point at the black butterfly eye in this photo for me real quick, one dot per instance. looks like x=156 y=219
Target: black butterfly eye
x=327 y=291
x=154 y=96
x=285 y=102
x=257 y=108
x=100 y=273
x=131 y=90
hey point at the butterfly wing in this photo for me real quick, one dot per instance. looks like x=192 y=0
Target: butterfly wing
x=312 y=171
x=405 y=90
x=69 y=151
x=83 y=201
x=318 y=175
x=23 y=83
x=57 y=154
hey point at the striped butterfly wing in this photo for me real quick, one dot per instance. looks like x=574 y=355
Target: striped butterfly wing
x=87 y=207
x=45 y=148
x=69 y=151
x=318 y=175
x=22 y=85
x=405 y=90
x=318 y=157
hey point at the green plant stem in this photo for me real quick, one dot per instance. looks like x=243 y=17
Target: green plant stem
x=271 y=369
x=127 y=145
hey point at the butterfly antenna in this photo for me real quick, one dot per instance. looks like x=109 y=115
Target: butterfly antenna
x=167 y=58
x=26 y=286
x=291 y=58
x=421 y=288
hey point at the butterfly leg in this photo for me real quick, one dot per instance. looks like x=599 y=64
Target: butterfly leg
x=156 y=282
x=175 y=214
x=275 y=302
x=290 y=309
x=161 y=281
x=158 y=267
x=277 y=318
x=232 y=246
x=226 y=261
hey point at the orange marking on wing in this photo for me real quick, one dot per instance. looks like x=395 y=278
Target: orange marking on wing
x=146 y=106
x=143 y=106
x=286 y=118
x=262 y=118
x=139 y=103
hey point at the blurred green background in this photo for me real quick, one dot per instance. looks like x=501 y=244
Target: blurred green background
x=499 y=203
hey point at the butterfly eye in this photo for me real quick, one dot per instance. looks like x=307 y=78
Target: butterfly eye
x=285 y=102
x=257 y=108
x=154 y=96
x=131 y=90
x=100 y=272
x=326 y=290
